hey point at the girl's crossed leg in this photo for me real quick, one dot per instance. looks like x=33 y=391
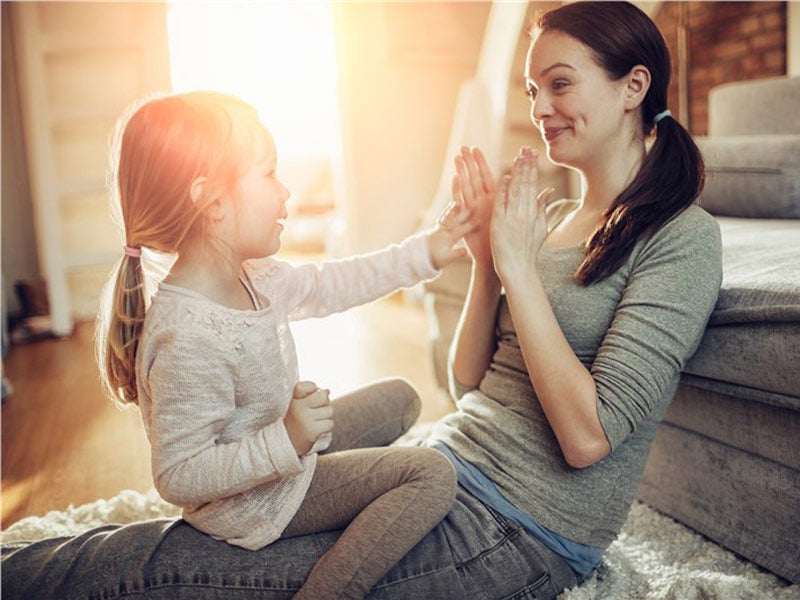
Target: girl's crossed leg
x=385 y=499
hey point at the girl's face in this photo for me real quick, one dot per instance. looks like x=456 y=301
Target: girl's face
x=260 y=205
x=574 y=103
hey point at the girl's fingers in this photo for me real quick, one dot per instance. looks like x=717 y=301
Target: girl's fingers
x=303 y=389
x=455 y=190
x=454 y=213
x=463 y=228
x=319 y=398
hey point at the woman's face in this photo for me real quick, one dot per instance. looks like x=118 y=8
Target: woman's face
x=575 y=105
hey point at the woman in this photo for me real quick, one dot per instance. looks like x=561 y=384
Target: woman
x=579 y=318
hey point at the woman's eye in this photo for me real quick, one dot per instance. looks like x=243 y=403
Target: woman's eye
x=560 y=84
x=530 y=92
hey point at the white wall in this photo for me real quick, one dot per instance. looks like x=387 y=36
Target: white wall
x=19 y=256
x=400 y=68
x=793 y=38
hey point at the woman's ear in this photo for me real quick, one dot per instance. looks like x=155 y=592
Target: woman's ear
x=211 y=207
x=636 y=86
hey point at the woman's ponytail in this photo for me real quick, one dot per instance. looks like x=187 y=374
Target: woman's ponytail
x=670 y=179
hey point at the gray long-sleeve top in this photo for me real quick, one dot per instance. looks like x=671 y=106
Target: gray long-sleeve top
x=634 y=331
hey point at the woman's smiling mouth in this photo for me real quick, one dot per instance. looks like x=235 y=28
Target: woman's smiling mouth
x=551 y=133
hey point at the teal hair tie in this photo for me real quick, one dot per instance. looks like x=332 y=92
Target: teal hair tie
x=661 y=115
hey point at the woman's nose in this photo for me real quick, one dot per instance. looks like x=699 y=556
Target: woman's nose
x=540 y=108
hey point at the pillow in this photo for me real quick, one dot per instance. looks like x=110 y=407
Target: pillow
x=756 y=176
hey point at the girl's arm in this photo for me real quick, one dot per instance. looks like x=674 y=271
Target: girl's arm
x=317 y=290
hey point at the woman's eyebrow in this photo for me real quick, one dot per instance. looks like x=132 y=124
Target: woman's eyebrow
x=553 y=66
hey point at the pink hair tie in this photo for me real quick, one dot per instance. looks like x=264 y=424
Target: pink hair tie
x=132 y=252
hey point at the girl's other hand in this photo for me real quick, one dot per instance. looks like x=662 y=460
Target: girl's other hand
x=455 y=222
x=474 y=186
x=519 y=225
x=309 y=416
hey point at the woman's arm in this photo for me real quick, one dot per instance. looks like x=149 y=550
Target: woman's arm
x=565 y=388
x=474 y=340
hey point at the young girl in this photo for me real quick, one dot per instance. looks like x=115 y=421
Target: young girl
x=212 y=364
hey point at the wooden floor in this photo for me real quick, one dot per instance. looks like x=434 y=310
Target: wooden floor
x=64 y=444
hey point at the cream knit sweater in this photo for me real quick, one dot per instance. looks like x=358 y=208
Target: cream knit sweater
x=215 y=383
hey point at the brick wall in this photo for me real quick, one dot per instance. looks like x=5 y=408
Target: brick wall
x=726 y=42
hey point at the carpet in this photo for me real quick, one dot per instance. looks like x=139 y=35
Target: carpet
x=654 y=557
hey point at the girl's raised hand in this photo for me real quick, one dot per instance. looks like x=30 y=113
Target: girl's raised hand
x=519 y=224
x=474 y=187
x=454 y=223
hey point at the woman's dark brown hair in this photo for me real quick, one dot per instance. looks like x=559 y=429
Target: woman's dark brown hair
x=671 y=177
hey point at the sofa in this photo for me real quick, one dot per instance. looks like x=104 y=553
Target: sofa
x=726 y=458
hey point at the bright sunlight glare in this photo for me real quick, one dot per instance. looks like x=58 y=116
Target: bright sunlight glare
x=279 y=56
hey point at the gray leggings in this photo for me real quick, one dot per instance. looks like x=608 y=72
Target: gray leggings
x=385 y=499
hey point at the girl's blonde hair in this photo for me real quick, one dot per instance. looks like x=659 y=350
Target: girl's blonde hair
x=161 y=146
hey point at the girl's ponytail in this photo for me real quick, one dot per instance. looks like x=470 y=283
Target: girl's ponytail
x=120 y=323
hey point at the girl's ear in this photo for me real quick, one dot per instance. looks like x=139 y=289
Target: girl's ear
x=196 y=190
x=212 y=208
x=636 y=86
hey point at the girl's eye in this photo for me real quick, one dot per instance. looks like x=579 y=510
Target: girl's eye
x=530 y=92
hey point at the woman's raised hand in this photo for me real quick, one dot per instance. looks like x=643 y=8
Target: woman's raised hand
x=474 y=187
x=519 y=225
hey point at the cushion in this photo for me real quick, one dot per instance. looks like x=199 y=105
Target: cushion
x=756 y=106
x=760 y=428
x=758 y=357
x=752 y=176
x=760 y=271
x=752 y=336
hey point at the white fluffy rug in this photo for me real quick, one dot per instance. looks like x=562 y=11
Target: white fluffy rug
x=654 y=557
